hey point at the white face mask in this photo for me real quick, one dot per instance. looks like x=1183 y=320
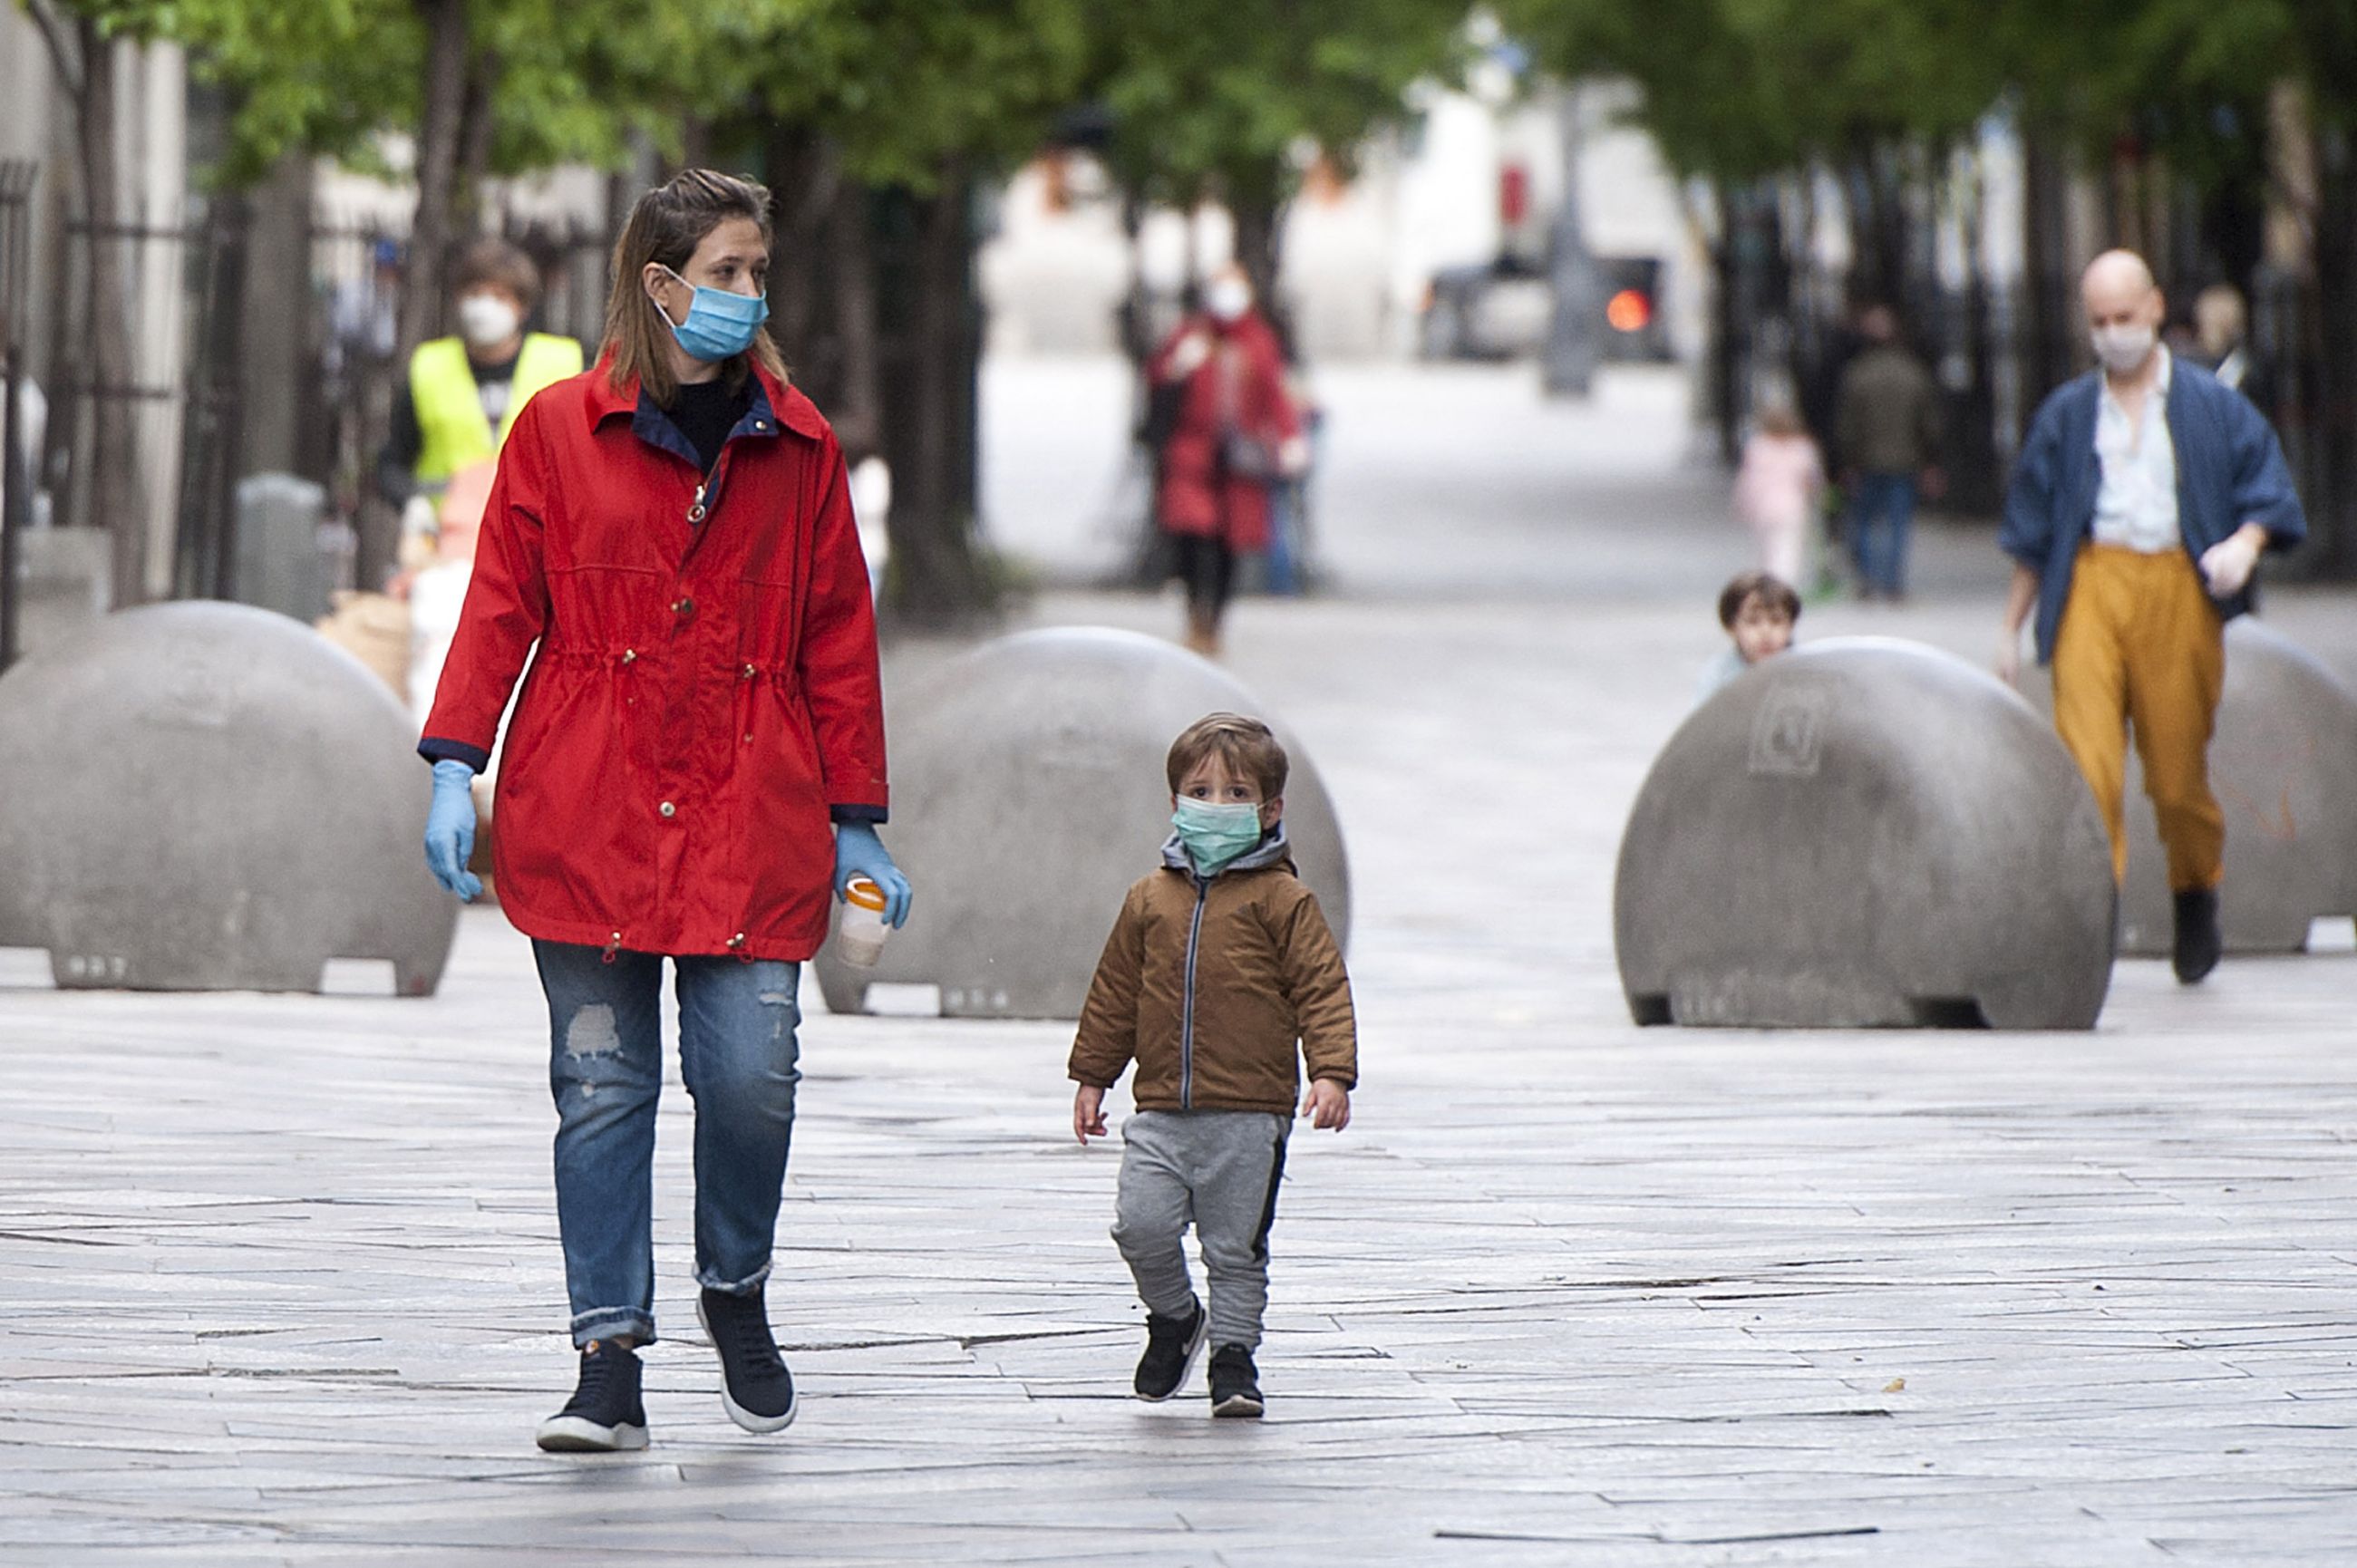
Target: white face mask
x=1228 y=298
x=2122 y=350
x=487 y=321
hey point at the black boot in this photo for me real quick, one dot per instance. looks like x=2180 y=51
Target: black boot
x=604 y=1414
x=755 y=1390
x=2198 y=943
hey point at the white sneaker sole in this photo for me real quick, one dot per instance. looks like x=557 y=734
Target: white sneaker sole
x=1187 y=1369
x=757 y=1424
x=1238 y=1405
x=577 y=1434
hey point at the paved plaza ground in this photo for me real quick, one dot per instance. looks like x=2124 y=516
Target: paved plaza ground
x=281 y=1285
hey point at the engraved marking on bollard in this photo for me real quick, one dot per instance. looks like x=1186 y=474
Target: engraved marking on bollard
x=1788 y=735
x=97 y=966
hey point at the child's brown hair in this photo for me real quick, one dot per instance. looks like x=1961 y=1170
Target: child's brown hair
x=1746 y=585
x=1246 y=745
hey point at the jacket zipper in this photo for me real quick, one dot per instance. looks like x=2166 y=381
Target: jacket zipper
x=1186 y=1005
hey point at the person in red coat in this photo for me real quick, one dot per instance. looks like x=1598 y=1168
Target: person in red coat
x=1236 y=434
x=695 y=767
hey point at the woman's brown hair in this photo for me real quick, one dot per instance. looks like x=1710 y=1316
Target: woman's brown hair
x=665 y=227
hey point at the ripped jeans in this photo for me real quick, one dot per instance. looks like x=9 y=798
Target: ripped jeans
x=737 y=1054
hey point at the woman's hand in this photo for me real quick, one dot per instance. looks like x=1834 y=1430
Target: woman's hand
x=859 y=852
x=450 y=829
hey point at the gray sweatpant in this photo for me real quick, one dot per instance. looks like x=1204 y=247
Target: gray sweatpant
x=1219 y=1169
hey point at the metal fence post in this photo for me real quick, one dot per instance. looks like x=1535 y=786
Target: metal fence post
x=16 y=179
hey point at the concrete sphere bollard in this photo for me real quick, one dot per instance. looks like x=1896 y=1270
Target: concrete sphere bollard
x=2283 y=764
x=1028 y=794
x=1861 y=833
x=207 y=796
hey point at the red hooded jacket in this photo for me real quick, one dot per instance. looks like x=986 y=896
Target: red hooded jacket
x=705 y=696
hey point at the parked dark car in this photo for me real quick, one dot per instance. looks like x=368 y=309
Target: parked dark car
x=1500 y=310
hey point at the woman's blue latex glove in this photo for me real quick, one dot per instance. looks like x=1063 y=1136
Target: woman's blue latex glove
x=859 y=852
x=450 y=830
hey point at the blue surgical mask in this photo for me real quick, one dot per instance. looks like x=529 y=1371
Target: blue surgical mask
x=719 y=325
x=1215 y=832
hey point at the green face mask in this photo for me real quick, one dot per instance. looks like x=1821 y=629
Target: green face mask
x=1216 y=832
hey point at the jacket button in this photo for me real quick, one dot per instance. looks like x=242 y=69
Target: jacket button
x=684 y=607
x=630 y=654
x=750 y=672
x=668 y=810
x=696 y=512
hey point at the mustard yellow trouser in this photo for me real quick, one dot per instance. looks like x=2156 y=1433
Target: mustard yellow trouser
x=2141 y=646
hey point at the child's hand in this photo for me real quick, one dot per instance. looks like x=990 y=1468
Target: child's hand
x=1327 y=1105
x=1088 y=1114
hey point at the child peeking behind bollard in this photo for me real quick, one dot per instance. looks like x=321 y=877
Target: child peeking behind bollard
x=1758 y=612
x=1220 y=976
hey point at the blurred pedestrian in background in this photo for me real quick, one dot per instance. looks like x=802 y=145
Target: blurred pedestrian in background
x=1777 y=491
x=465 y=392
x=364 y=314
x=1234 y=433
x=695 y=767
x=2142 y=498
x=2222 y=332
x=1888 y=431
x=1758 y=612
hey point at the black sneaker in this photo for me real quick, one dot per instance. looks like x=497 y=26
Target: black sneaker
x=604 y=1414
x=755 y=1390
x=1235 y=1382
x=2198 y=943
x=1170 y=1346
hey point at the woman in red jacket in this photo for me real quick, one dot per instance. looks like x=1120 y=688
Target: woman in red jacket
x=696 y=764
x=1236 y=434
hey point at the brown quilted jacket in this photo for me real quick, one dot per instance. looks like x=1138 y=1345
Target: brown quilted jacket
x=1217 y=989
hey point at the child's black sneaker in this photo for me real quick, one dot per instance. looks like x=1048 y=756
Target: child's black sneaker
x=1170 y=1346
x=755 y=1390
x=1235 y=1382
x=604 y=1414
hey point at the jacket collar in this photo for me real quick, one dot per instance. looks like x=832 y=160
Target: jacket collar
x=774 y=402
x=1274 y=849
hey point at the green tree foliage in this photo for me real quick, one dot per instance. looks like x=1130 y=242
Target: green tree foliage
x=1212 y=95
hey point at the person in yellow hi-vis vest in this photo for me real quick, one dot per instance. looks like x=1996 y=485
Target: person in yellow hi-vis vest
x=464 y=392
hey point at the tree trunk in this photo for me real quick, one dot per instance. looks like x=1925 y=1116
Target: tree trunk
x=2048 y=304
x=1726 y=359
x=1973 y=460
x=440 y=128
x=800 y=170
x=930 y=392
x=859 y=393
x=115 y=489
x=1256 y=207
x=2332 y=403
x=476 y=120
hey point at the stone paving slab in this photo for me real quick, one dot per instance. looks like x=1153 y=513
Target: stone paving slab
x=282 y=1283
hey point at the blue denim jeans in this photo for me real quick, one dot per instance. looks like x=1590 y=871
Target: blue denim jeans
x=737 y=1053
x=1879 y=521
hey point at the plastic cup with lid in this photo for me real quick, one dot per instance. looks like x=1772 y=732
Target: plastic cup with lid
x=860 y=930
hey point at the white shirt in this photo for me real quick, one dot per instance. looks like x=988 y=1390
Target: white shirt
x=2136 y=506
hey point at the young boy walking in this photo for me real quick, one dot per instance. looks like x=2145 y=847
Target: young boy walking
x=1220 y=976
